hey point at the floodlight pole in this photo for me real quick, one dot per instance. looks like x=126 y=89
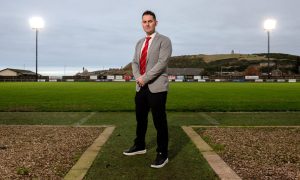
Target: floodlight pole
x=36 y=54
x=268 y=32
x=36 y=23
x=269 y=25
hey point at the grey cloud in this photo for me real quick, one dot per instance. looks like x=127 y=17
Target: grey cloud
x=104 y=33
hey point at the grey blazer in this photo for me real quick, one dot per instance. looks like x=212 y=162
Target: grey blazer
x=157 y=60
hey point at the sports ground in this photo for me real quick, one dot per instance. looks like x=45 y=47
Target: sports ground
x=202 y=104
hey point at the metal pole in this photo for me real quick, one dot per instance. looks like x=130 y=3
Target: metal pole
x=36 y=54
x=268 y=54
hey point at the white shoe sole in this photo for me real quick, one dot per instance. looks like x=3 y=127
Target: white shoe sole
x=160 y=166
x=135 y=153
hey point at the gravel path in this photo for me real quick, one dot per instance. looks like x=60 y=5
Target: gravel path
x=258 y=153
x=29 y=152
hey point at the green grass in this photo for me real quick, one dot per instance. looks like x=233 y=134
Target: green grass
x=41 y=118
x=185 y=160
x=215 y=146
x=103 y=97
x=257 y=118
x=66 y=96
x=23 y=171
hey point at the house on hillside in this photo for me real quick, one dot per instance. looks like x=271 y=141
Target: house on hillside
x=265 y=64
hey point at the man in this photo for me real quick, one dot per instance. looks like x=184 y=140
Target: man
x=149 y=67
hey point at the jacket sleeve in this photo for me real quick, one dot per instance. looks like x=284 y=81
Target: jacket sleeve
x=163 y=59
x=135 y=64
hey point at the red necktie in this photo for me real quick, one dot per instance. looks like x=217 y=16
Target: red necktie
x=144 y=56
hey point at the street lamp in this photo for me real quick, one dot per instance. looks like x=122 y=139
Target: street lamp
x=269 y=25
x=36 y=23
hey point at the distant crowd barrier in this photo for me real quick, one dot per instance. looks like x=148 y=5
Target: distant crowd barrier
x=127 y=78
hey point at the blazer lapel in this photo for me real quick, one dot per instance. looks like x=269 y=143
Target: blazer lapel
x=140 y=50
x=154 y=41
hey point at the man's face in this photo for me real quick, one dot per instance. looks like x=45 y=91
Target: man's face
x=149 y=24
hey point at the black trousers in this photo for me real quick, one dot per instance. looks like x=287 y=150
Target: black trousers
x=144 y=101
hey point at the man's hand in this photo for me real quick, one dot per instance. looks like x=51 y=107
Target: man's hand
x=140 y=81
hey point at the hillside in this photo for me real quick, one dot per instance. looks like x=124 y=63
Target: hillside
x=235 y=62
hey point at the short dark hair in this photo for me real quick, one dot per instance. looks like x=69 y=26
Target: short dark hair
x=149 y=13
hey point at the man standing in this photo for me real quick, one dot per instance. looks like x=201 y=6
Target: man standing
x=149 y=67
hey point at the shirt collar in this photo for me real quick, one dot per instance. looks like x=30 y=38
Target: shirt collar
x=152 y=35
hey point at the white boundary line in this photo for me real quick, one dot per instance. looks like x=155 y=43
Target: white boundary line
x=84 y=119
x=209 y=118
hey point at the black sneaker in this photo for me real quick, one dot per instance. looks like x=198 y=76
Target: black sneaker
x=134 y=150
x=160 y=161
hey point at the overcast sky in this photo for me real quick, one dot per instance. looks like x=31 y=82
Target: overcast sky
x=99 y=34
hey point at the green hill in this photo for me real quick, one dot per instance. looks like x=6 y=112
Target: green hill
x=235 y=62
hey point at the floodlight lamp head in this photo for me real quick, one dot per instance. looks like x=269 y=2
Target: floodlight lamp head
x=269 y=24
x=36 y=23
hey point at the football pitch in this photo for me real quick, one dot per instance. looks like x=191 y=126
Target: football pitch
x=114 y=96
x=221 y=104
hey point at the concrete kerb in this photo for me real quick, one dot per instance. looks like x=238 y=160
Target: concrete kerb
x=214 y=160
x=79 y=170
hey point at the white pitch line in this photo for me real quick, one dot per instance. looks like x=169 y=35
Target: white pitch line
x=209 y=119
x=84 y=119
